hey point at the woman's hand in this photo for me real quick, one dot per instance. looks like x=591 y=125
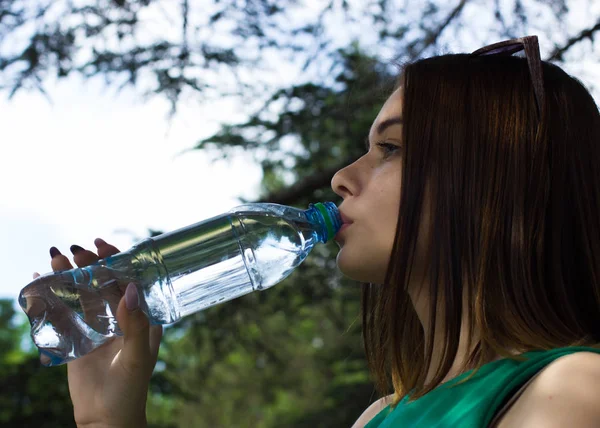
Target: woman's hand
x=109 y=386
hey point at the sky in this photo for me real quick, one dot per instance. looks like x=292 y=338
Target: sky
x=98 y=164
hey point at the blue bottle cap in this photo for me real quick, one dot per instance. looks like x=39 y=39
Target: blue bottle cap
x=332 y=228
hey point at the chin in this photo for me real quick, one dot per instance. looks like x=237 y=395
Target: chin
x=355 y=268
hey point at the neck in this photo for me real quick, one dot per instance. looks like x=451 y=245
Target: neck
x=462 y=353
x=421 y=305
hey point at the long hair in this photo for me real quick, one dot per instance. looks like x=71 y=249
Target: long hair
x=515 y=219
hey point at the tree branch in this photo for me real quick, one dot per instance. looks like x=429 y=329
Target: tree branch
x=305 y=186
x=432 y=36
x=557 y=54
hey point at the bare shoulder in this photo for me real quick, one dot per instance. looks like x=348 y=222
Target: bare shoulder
x=372 y=411
x=565 y=393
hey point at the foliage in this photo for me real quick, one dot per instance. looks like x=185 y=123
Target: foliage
x=213 y=48
x=31 y=395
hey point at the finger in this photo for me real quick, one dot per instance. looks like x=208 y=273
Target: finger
x=59 y=261
x=88 y=300
x=83 y=257
x=105 y=249
x=135 y=354
x=93 y=301
x=58 y=319
x=35 y=275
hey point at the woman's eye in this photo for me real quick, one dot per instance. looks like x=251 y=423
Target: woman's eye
x=388 y=149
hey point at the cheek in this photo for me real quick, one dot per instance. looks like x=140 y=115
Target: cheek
x=365 y=254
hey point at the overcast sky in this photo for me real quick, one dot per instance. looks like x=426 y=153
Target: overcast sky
x=94 y=164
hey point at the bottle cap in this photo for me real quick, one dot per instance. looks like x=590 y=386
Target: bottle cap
x=331 y=230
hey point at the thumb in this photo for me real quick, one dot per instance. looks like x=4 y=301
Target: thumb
x=134 y=324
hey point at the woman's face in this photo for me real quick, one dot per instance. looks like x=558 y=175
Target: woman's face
x=370 y=188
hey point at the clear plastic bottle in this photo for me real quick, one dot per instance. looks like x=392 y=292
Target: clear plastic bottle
x=252 y=247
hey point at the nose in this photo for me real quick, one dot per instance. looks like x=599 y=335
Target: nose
x=343 y=184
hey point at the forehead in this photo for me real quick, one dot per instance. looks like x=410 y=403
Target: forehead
x=392 y=108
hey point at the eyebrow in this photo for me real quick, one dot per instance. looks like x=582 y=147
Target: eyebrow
x=397 y=120
x=387 y=123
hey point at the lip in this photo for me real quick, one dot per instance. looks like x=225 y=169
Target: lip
x=346 y=222
x=344 y=227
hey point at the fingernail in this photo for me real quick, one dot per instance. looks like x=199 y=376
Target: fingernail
x=54 y=252
x=131 y=297
x=99 y=241
x=75 y=249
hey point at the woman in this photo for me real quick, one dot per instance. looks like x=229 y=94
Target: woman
x=483 y=307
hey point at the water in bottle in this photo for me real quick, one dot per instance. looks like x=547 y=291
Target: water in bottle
x=252 y=247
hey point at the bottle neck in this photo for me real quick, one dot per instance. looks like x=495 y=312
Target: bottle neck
x=326 y=219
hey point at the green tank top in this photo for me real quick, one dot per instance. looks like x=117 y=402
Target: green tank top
x=474 y=402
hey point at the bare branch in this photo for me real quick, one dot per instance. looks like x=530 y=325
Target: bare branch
x=432 y=36
x=557 y=54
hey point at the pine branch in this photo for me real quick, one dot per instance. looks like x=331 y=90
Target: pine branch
x=304 y=187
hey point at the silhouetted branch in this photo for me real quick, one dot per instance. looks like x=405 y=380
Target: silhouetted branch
x=557 y=54
x=432 y=36
x=306 y=186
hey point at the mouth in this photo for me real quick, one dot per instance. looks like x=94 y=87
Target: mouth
x=339 y=236
x=342 y=229
x=345 y=220
x=345 y=225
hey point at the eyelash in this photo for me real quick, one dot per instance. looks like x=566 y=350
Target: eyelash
x=387 y=148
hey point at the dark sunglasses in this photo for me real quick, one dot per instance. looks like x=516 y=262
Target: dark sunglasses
x=532 y=53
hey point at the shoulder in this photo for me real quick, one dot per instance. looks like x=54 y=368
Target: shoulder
x=372 y=411
x=565 y=393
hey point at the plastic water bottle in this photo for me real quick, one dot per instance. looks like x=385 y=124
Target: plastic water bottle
x=252 y=247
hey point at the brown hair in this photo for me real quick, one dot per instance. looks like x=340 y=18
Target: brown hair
x=515 y=218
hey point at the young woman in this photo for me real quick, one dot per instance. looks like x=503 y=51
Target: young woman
x=473 y=217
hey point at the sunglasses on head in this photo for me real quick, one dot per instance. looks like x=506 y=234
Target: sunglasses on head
x=532 y=52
